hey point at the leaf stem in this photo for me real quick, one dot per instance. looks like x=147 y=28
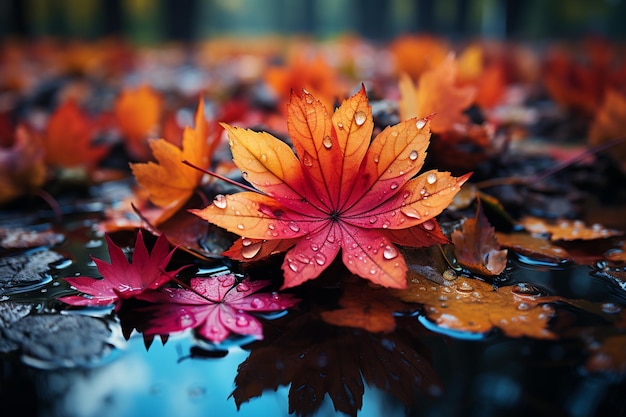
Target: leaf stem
x=221 y=177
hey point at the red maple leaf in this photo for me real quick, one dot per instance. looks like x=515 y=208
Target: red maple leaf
x=340 y=192
x=216 y=308
x=121 y=279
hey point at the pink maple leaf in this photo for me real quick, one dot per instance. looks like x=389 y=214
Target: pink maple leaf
x=121 y=279
x=216 y=308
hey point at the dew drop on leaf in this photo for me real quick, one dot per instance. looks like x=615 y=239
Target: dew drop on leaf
x=294 y=226
x=293 y=266
x=464 y=287
x=220 y=201
x=327 y=142
x=431 y=178
x=246 y=242
x=373 y=270
x=523 y=306
x=275 y=296
x=340 y=125
x=611 y=308
x=240 y=226
x=250 y=251
x=243 y=287
x=307 y=160
x=413 y=155
x=429 y=225
x=263 y=157
x=314 y=247
x=373 y=219
x=257 y=303
x=420 y=124
x=412 y=213
x=320 y=259
x=393 y=185
x=242 y=321
x=390 y=252
x=359 y=118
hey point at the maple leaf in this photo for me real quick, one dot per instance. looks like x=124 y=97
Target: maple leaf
x=216 y=307
x=436 y=93
x=415 y=54
x=22 y=168
x=121 y=279
x=476 y=246
x=138 y=114
x=563 y=229
x=341 y=192
x=67 y=138
x=169 y=182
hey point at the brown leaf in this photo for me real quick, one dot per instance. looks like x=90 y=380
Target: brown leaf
x=476 y=247
x=471 y=305
x=567 y=229
x=610 y=124
x=533 y=247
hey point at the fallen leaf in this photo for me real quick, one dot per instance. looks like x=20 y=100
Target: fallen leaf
x=471 y=305
x=121 y=279
x=171 y=183
x=476 y=246
x=533 y=247
x=339 y=193
x=67 y=140
x=19 y=238
x=365 y=307
x=22 y=168
x=567 y=229
x=216 y=307
x=414 y=54
x=610 y=124
x=138 y=114
x=436 y=93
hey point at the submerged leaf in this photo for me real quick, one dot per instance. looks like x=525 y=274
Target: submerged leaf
x=216 y=307
x=340 y=192
x=567 y=229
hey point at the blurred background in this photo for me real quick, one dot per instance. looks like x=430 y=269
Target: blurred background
x=154 y=21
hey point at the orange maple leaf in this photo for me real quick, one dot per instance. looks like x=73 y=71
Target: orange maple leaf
x=138 y=114
x=436 y=93
x=413 y=55
x=340 y=192
x=67 y=140
x=169 y=181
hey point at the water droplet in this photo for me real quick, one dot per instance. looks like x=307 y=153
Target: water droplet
x=340 y=125
x=431 y=178
x=393 y=185
x=413 y=155
x=359 y=117
x=263 y=157
x=228 y=281
x=302 y=258
x=429 y=225
x=294 y=226
x=308 y=99
x=307 y=160
x=320 y=259
x=523 y=306
x=464 y=287
x=373 y=270
x=420 y=124
x=251 y=251
x=376 y=159
x=243 y=287
x=412 y=213
x=220 y=201
x=246 y=242
x=327 y=142
x=240 y=226
x=611 y=308
x=449 y=274
x=275 y=296
x=242 y=321
x=373 y=219
x=526 y=291
x=385 y=225
x=293 y=266
x=390 y=252
x=314 y=247
x=257 y=303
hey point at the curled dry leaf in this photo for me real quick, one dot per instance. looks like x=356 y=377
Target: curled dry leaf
x=476 y=246
x=436 y=93
x=471 y=305
x=567 y=229
x=171 y=183
x=340 y=192
x=22 y=168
